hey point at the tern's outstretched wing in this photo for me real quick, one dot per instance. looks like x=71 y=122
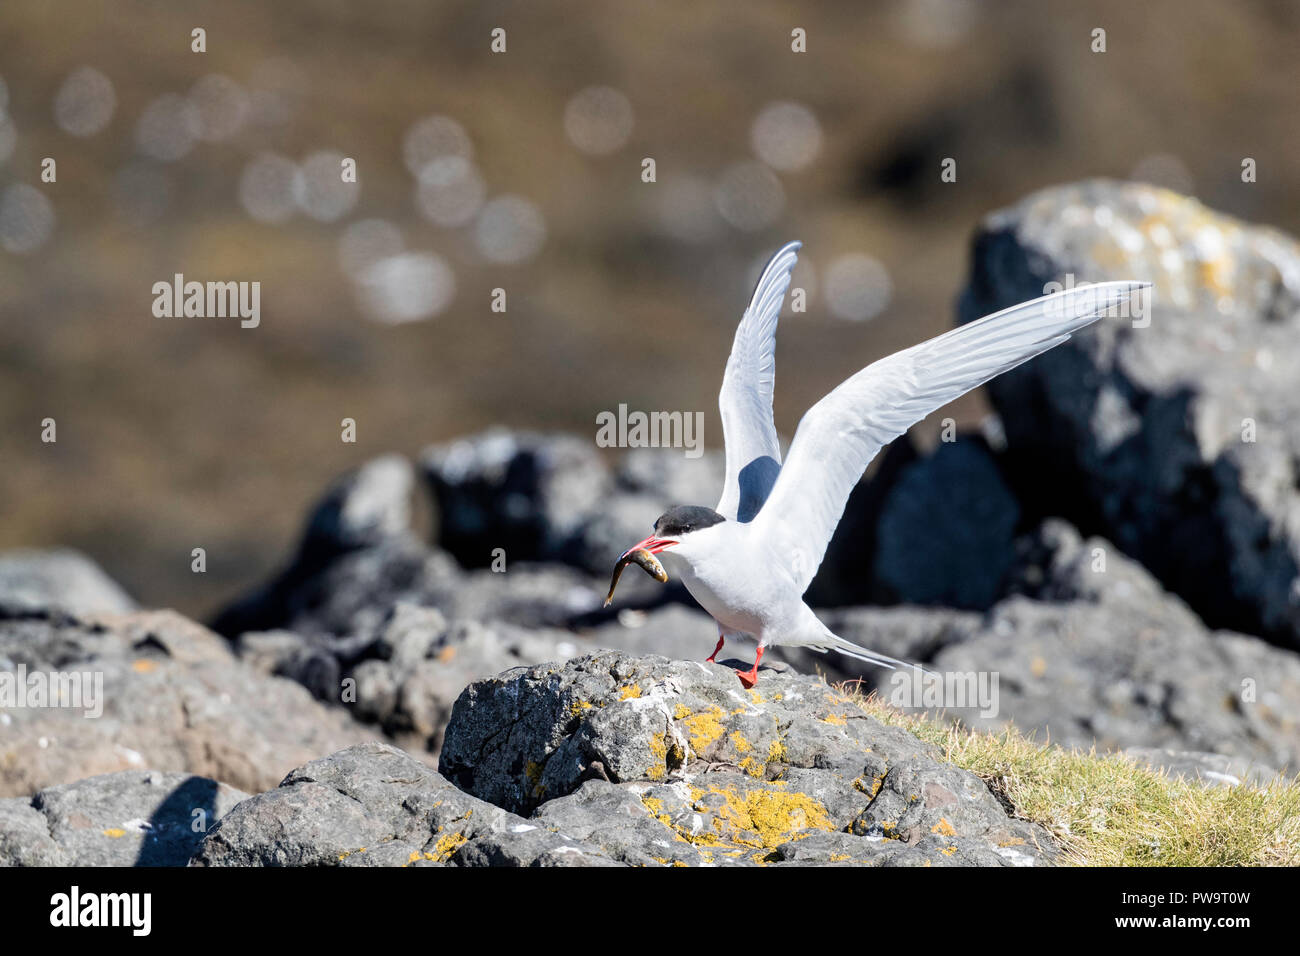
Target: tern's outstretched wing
x=840 y=435
x=753 y=454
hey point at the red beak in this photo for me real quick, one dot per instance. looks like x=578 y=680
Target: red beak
x=652 y=544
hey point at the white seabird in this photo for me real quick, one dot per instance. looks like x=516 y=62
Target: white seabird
x=749 y=560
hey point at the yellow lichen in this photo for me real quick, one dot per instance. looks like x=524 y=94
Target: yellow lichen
x=448 y=845
x=577 y=707
x=114 y=833
x=630 y=692
x=738 y=741
x=533 y=770
x=704 y=729
x=839 y=857
x=143 y=666
x=447 y=654
x=943 y=827
x=682 y=712
x=775 y=816
x=836 y=720
x=663 y=752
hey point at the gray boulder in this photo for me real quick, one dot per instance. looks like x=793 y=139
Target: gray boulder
x=373 y=805
x=406 y=674
x=156 y=692
x=1175 y=433
x=1091 y=650
x=130 y=818
x=59 y=580
x=670 y=762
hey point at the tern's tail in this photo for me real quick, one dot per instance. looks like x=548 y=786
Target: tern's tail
x=833 y=642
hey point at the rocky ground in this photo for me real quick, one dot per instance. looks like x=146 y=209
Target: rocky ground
x=1111 y=547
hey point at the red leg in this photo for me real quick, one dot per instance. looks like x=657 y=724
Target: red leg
x=721 y=641
x=750 y=677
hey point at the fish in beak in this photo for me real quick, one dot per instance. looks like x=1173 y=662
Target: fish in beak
x=642 y=554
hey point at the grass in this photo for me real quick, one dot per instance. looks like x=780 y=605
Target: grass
x=1108 y=810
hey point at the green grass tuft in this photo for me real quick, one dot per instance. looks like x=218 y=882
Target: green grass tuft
x=1108 y=810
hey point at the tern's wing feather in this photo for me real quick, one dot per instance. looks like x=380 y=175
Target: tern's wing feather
x=839 y=436
x=753 y=453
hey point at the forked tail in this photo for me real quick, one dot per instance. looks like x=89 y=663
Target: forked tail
x=833 y=642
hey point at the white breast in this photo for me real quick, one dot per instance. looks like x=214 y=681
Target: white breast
x=730 y=581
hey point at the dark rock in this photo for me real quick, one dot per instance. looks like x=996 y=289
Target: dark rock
x=405 y=674
x=947 y=528
x=728 y=776
x=848 y=572
x=1141 y=428
x=62 y=580
x=173 y=698
x=529 y=595
x=372 y=805
x=523 y=492
x=551 y=497
x=130 y=818
x=364 y=508
x=356 y=548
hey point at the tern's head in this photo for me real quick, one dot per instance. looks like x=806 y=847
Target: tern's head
x=677 y=526
x=678 y=529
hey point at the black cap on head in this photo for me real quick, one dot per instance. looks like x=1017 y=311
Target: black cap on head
x=682 y=519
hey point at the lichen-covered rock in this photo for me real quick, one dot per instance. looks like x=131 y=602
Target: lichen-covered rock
x=1176 y=433
x=129 y=818
x=728 y=776
x=158 y=692
x=373 y=805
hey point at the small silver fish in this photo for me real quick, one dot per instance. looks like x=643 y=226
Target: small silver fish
x=646 y=560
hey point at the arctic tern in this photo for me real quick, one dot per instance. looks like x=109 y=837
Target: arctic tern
x=749 y=561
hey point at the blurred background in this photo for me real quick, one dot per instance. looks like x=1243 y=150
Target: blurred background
x=522 y=170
